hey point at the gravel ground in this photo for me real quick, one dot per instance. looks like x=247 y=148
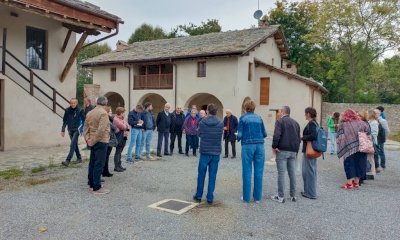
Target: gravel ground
x=66 y=209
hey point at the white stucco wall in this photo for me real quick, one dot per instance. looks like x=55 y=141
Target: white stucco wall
x=27 y=122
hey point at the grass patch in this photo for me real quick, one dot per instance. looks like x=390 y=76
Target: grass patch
x=41 y=168
x=37 y=181
x=395 y=137
x=11 y=173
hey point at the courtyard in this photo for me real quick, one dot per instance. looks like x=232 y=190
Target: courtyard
x=63 y=208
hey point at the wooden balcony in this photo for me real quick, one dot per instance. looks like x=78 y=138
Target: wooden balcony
x=153 y=81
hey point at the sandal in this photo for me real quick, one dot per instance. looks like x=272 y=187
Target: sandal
x=347 y=186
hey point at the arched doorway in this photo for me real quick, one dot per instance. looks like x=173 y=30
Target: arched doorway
x=156 y=100
x=115 y=100
x=202 y=100
x=244 y=101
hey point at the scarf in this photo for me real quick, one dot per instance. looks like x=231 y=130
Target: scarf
x=347 y=137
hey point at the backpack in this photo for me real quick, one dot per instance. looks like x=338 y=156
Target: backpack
x=321 y=142
x=381 y=134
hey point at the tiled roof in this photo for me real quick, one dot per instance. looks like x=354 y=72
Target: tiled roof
x=89 y=7
x=207 y=45
x=309 y=81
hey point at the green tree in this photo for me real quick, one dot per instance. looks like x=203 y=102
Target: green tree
x=209 y=26
x=146 y=32
x=84 y=75
x=361 y=31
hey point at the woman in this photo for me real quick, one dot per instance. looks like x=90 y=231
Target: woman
x=112 y=143
x=191 y=128
x=122 y=131
x=374 y=125
x=333 y=123
x=309 y=165
x=355 y=162
x=251 y=134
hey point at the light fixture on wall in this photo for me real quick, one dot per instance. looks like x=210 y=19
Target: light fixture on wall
x=14 y=14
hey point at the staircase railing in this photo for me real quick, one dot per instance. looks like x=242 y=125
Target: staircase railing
x=36 y=87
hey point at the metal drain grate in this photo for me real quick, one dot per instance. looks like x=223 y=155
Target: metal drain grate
x=173 y=206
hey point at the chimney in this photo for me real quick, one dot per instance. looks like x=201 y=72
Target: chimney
x=289 y=66
x=121 y=45
x=263 y=23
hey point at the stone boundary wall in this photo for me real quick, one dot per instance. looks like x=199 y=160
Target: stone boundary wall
x=392 y=112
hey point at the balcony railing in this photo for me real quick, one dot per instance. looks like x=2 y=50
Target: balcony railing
x=154 y=81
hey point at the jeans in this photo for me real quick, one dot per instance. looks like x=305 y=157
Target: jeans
x=309 y=172
x=172 y=144
x=98 y=154
x=73 y=147
x=332 y=141
x=355 y=165
x=105 y=169
x=191 y=141
x=162 y=136
x=136 y=138
x=253 y=155
x=381 y=156
x=210 y=161
x=286 y=161
x=233 y=145
x=146 y=140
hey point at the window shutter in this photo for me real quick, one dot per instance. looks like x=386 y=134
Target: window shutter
x=264 y=91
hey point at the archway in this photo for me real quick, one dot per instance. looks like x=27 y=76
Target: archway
x=201 y=100
x=115 y=100
x=244 y=101
x=156 y=100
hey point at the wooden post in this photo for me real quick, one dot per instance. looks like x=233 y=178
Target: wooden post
x=3 y=54
x=66 y=41
x=73 y=56
x=31 y=85
x=54 y=100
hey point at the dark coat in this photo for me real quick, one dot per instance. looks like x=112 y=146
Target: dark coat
x=309 y=133
x=163 y=122
x=210 y=133
x=177 y=121
x=73 y=117
x=233 y=127
x=286 y=135
x=88 y=109
x=133 y=119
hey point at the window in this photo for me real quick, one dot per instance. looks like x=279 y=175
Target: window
x=201 y=69
x=264 y=91
x=249 y=77
x=113 y=75
x=36 y=53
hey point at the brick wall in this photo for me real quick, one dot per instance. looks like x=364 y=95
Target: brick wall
x=392 y=112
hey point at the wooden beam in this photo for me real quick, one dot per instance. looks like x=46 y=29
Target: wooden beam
x=79 y=29
x=64 y=46
x=279 y=41
x=73 y=56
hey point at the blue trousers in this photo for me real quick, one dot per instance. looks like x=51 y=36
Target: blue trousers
x=210 y=162
x=380 y=155
x=73 y=147
x=136 y=141
x=98 y=155
x=356 y=165
x=253 y=155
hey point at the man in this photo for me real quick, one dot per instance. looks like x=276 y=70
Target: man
x=135 y=120
x=285 y=145
x=202 y=114
x=88 y=105
x=382 y=109
x=148 y=126
x=383 y=134
x=97 y=135
x=230 y=129
x=210 y=132
x=163 y=123
x=177 y=120
x=73 y=117
x=189 y=112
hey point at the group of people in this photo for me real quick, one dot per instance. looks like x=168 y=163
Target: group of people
x=346 y=132
x=205 y=131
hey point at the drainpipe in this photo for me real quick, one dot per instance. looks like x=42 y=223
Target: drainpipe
x=176 y=82
x=129 y=85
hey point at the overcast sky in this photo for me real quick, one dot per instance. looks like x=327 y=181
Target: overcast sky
x=232 y=14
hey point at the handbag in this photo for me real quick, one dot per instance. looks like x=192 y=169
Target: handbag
x=120 y=138
x=365 y=143
x=310 y=152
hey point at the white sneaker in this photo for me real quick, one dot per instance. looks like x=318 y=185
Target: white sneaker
x=276 y=198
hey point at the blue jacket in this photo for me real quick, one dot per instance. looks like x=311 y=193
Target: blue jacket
x=73 y=118
x=133 y=118
x=210 y=133
x=148 y=120
x=251 y=129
